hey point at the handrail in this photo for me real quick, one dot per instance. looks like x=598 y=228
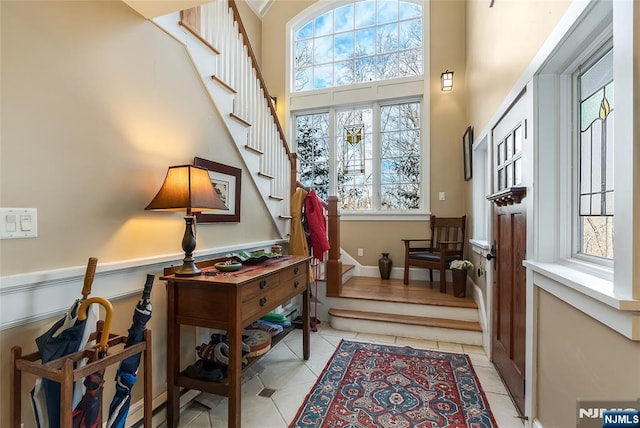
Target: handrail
x=263 y=85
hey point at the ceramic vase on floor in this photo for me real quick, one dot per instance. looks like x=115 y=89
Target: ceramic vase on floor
x=384 y=264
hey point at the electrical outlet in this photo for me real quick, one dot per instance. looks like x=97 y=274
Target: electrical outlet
x=441 y=196
x=360 y=252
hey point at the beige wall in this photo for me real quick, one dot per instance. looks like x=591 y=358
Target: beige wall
x=448 y=123
x=92 y=117
x=253 y=26
x=501 y=42
x=579 y=358
x=97 y=102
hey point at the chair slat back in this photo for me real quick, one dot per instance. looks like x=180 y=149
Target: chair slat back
x=448 y=229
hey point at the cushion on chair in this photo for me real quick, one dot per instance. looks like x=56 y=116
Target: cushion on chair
x=430 y=256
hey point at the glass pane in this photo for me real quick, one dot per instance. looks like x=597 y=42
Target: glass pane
x=501 y=179
x=597 y=236
x=596 y=200
x=609 y=202
x=390 y=118
x=509 y=169
x=365 y=70
x=343 y=72
x=365 y=42
x=304 y=79
x=305 y=32
x=609 y=155
x=387 y=38
x=365 y=13
x=517 y=140
x=303 y=53
x=501 y=153
x=596 y=157
x=410 y=34
x=508 y=143
x=410 y=63
x=517 y=172
x=387 y=11
x=597 y=76
x=324 y=24
x=344 y=18
x=343 y=46
x=323 y=50
x=585 y=205
x=323 y=77
x=409 y=10
x=387 y=66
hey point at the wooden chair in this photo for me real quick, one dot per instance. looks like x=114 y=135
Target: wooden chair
x=445 y=245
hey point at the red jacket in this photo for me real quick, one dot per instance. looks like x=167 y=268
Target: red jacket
x=314 y=212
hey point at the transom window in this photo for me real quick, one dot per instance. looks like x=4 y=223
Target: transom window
x=358 y=42
x=595 y=157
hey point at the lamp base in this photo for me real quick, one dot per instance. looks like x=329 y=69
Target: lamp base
x=187 y=269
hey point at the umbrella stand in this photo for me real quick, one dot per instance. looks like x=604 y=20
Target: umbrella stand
x=62 y=370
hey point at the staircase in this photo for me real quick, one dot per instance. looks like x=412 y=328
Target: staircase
x=217 y=45
x=372 y=305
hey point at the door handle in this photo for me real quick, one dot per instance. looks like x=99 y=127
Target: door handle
x=492 y=253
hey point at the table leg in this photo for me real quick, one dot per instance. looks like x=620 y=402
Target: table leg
x=306 y=324
x=235 y=363
x=173 y=361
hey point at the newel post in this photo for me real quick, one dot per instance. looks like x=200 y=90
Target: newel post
x=334 y=264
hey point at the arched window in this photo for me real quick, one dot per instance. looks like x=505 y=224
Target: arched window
x=358 y=42
x=357 y=97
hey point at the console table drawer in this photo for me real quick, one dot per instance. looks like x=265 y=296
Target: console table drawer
x=299 y=270
x=260 y=286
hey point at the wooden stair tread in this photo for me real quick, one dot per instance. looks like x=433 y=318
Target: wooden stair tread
x=407 y=319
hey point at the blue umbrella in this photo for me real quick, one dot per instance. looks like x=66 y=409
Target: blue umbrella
x=128 y=371
x=66 y=336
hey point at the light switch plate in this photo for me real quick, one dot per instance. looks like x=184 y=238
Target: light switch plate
x=18 y=223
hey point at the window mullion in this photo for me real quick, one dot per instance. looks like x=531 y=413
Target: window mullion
x=376 y=156
x=333 y=154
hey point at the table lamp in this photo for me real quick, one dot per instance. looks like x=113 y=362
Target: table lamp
x=187 y=187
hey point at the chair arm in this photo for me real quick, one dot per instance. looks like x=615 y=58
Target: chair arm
x=408 y=247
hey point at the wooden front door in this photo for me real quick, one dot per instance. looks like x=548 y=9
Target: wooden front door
x=510 y=243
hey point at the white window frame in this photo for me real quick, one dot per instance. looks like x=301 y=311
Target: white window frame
x=383 y=92
x=608 y=293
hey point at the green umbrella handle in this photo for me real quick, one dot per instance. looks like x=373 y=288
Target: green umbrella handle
x=88 y=277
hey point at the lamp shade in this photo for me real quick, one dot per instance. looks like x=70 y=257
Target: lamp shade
x=186 y=187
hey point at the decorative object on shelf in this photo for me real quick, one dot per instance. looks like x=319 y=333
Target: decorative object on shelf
x=384 y=264
x=227 y=182
x=228 y=266
x=467 y=142
x=187 y=187
x=276 y=249
x=459 y=270
x=446 y=80
x=253 y=257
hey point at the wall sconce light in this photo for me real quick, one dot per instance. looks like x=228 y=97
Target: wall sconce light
x=187 y=187
x=446 y=79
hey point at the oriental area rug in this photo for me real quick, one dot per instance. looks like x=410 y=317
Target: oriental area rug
x=372 y=385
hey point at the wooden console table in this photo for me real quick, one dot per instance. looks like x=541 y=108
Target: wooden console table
x=228 y=301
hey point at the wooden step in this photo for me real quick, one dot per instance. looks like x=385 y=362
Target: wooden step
x=407 y=319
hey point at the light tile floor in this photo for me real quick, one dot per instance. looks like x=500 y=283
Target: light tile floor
x=284 y=370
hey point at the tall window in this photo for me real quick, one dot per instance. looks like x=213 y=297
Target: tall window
x=595 y=157
x=376 y=157
x=358 y=42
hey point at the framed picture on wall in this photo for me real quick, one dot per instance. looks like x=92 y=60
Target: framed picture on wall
x=227 y=182
x=467 y=141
